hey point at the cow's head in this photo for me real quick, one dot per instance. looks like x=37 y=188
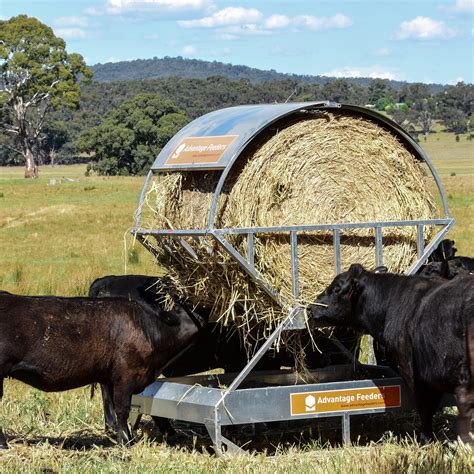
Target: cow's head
x=334 y=307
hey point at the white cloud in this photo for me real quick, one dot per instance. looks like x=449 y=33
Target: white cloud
x=226 y=17
x=371 y=71
x=70 y=33
x=80 y=21
x=93 y=11
x=189 y=50
x=423 y=28
x=234 y=22
x=463 y=6
x=237 y=31
x=122 y=6
x=315 y=23
x=276 y=21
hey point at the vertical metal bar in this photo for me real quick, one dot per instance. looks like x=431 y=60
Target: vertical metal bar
x=378 y=246
x=430 y=247
x=337 y=250
x=294 y=265
x=250 y=249
x=138 y=212
x=420 y=241
x=346 y=429
x=215 y=432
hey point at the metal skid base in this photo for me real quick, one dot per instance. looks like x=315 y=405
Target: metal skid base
x=266 y=397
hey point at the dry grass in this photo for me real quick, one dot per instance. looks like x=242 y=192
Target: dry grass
x=63 y=433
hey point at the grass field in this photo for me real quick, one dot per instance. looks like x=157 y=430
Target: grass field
x=55 y=239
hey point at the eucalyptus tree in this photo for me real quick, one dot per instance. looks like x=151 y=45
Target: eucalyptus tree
x=130 y=136
x=37 y=75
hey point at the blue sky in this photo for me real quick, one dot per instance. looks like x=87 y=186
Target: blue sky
x=411 y=40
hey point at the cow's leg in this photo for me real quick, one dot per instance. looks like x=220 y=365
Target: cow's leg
x=122 y=402
x=3 y=440
x=109 y=412
x=465 y=403
x=427 y=402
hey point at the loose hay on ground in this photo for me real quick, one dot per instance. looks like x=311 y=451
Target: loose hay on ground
x=330 y=168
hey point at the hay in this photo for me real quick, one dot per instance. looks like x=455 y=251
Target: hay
x=330 y=169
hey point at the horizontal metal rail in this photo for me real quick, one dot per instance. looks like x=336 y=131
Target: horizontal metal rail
x=291 y=228
x=329 y=227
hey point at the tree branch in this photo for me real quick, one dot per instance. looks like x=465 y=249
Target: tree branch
x=12 y=148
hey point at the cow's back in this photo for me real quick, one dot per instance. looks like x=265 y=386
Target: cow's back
x=56 y=335
x=121 y=285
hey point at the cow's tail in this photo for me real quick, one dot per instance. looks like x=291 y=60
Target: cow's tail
x=92 y=390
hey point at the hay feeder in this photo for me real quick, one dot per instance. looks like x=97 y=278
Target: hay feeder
x=202 y=228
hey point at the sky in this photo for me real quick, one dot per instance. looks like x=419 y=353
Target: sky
x=409 y=40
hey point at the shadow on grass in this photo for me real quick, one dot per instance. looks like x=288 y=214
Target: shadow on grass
x=82 y=440
x=268 y=438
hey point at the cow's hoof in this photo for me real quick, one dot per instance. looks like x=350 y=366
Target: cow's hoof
x=4 y=446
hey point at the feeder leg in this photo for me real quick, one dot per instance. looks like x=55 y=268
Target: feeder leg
x=346 y=429
x=214 y=429
x=134 y=419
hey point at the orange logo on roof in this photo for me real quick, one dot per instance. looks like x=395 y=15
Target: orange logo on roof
x=197 y=150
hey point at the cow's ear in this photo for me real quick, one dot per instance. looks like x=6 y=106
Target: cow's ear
x=355 y=270
x=355 y=288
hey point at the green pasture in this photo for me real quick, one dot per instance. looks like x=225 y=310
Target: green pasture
x=450 y=157
x=56 y=238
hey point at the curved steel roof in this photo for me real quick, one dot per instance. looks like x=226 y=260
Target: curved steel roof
x=217 y=139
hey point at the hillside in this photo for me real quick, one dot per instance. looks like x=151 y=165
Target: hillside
x=198 y=69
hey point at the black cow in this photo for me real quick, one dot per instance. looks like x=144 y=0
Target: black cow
x=444 y=251
x=427 y=326
x=447 y=269
x=217 y=346
x=57 y=344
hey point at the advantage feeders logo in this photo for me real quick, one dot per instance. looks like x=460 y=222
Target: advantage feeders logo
x=331 y=401
x=200 y=150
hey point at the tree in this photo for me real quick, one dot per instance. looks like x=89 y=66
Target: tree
x=130 y=137
x=380 y=89
x=37 y=75
x=455 y=104
x=423 y=106
x=422 y=112
x=55 y=136
x=342 y=91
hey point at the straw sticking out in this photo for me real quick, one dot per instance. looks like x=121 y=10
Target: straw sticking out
x=334 y=168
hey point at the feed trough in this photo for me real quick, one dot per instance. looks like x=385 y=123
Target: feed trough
x=252 y=223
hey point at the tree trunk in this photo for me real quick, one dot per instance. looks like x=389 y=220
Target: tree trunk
x=31 y=169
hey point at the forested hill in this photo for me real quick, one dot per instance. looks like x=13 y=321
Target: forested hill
x=197 y=69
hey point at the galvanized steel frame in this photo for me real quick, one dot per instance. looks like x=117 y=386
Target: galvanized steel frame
x=214 y=416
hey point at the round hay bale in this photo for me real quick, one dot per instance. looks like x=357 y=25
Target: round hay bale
x=331 y=168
